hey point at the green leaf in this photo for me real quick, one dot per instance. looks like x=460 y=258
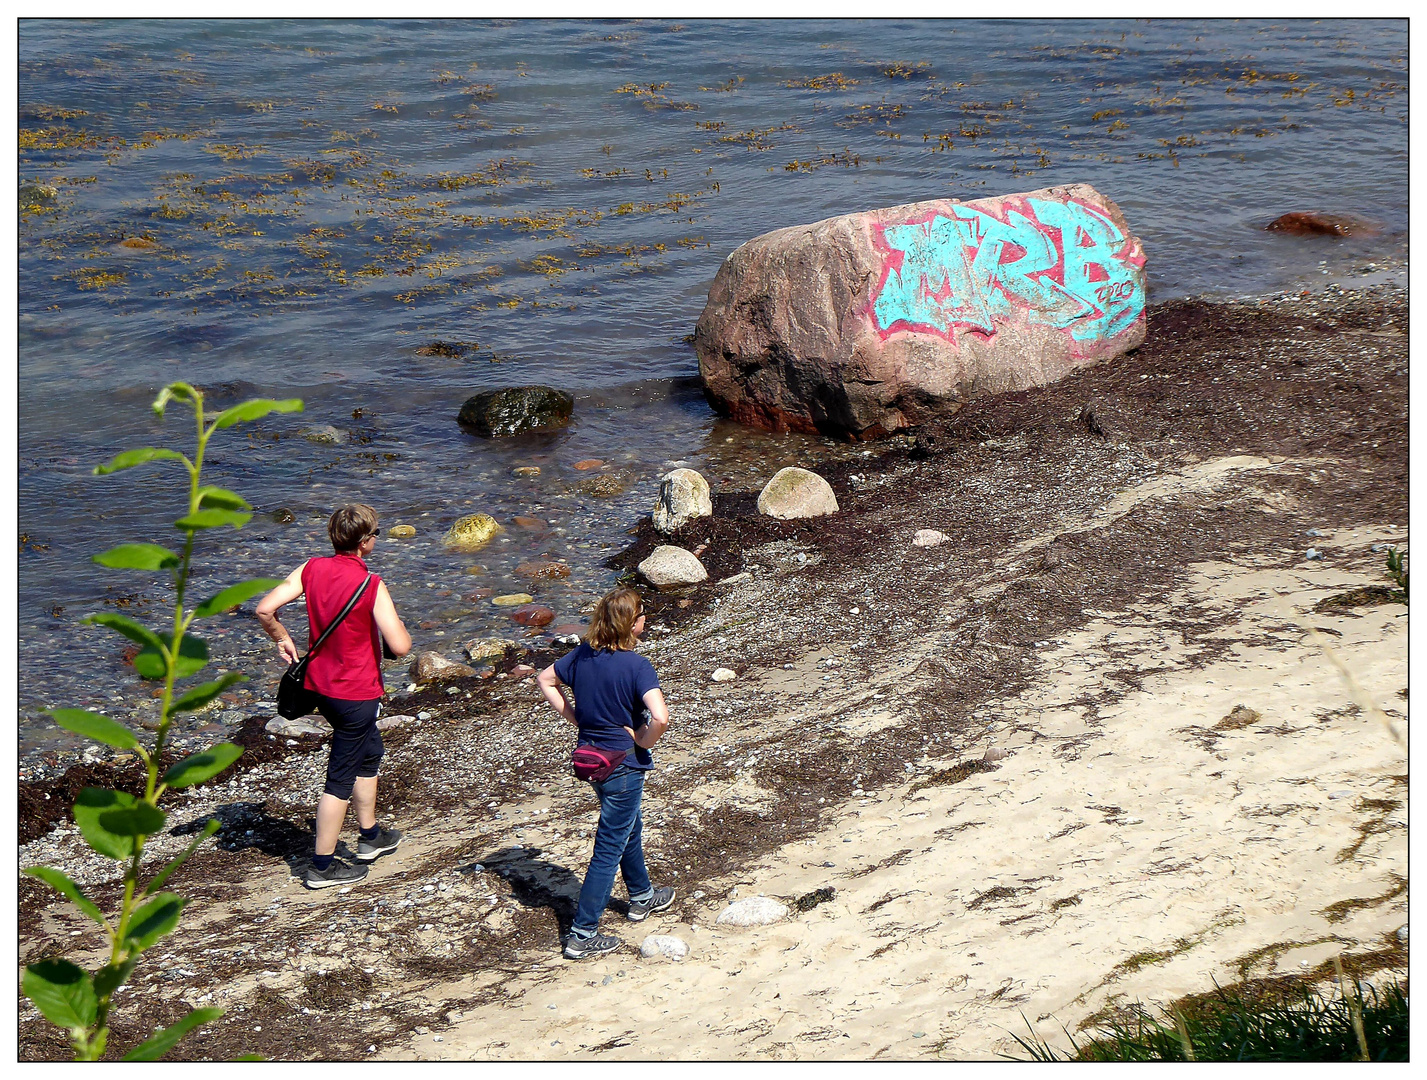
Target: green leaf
x=179 y=391
x=137 y=557
x=62 y=882
x=199 y=767
x=141 y=819
x=128 y=627
x=211 y=519
x=112 y=976
x=192 y=657
x=96 y=727
x=167 y=872
x=88 y=806
x=222 y=499
x=161 y=1042
x=198 y=696
x=155 y=919
x=63 y=992
x=234 y=595
x=253 y=410
x=129 y=458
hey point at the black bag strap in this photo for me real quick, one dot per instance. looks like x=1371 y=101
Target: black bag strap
x=340 y=616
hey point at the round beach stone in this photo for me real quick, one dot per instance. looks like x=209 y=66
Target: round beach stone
x=929 y=538
x=402 y=532
x=516 y=409
x=426 y=666
x=754 y=911
x=533 y=615
x=526 y=470
x=724 y=674
x=796 y=493
x=487 y=648
x=669 y=567
x=472 y=532
x=683 y=496
x=302 y=725
x=665 y=945
x=514 y=599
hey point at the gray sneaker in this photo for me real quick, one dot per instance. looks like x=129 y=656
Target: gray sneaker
x=384 y=841
x=337 y=873
x=579 y=948
x=639 y=910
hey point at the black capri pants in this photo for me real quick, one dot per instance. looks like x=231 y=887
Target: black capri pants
x=356 y=743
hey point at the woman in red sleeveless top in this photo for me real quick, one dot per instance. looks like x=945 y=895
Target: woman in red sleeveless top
x=345 y=673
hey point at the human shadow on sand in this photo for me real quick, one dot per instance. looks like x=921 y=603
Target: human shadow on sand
x=244 y=825
x=537 y=882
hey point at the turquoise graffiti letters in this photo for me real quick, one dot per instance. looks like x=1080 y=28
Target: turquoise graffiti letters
x=1064 y=264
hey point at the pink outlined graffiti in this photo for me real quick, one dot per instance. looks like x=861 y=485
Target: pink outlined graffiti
x=1063 y=264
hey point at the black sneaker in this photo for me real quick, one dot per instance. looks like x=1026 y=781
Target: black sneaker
x=579 y=948
x=384 y=841
x=337 y=873
x=639 y=910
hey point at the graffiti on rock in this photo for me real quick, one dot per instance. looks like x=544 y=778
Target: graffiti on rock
x=1063 y=264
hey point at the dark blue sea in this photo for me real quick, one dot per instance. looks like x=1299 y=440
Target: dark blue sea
x=385 y=217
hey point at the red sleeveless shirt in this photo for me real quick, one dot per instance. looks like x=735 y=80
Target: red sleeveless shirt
x=348 y=666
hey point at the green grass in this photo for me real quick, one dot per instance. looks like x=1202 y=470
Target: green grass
x=1242 y=1024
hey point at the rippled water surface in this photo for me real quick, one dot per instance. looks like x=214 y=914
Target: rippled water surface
x=385 y=217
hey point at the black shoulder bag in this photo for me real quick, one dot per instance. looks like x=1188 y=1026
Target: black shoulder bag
x=293 y=698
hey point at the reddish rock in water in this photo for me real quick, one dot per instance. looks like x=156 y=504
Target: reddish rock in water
x=566 y=629
x=1306 y=223
x=588 y=463
x=859 y=325
x=533 y=615
x=521 y=522
x=543 y=569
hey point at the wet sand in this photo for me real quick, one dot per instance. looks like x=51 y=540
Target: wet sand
x=1104 y=606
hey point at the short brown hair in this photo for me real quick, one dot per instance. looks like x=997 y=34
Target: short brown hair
x=612 y=625
x=351 y=524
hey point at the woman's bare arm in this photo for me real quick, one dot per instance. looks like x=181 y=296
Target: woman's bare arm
x=393 y=630
x=549 y=684
x=269 y=606
x=658 y=708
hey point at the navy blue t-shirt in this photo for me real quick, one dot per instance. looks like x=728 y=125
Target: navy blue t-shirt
x=609 y=686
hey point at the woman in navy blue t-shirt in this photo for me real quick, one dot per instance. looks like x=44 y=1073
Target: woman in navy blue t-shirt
x=613 y=686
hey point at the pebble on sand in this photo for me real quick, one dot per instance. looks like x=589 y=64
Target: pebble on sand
x=929 y=538
x=664 y=945
x=754 y=911
x=724 y=674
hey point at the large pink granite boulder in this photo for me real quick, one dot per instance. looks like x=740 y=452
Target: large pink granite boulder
x=859 y=325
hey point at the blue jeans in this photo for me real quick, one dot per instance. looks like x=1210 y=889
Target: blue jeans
x=618 y=846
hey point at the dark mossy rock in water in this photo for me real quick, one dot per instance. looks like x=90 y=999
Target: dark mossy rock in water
x=517 y=409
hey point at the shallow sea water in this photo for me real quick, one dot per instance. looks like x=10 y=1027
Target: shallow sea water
x=317 y=205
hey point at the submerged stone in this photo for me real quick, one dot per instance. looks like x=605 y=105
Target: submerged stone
x=516 y=409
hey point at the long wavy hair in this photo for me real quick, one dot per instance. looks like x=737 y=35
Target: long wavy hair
x=612 y=625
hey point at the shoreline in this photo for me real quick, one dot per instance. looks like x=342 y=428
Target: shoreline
x=1089 y=579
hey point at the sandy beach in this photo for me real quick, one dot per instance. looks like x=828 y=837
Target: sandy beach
x=1097 y=748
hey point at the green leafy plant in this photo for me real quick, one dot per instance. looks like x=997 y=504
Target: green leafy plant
x=1398 y=572
x=117 y=823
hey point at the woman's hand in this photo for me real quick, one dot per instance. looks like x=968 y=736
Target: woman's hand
x=288 y=648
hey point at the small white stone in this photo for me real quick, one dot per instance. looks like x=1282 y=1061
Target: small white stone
x=929 y=538
x=724 y=674
x=663 y=945
x=754 y=911
x=857 y=611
